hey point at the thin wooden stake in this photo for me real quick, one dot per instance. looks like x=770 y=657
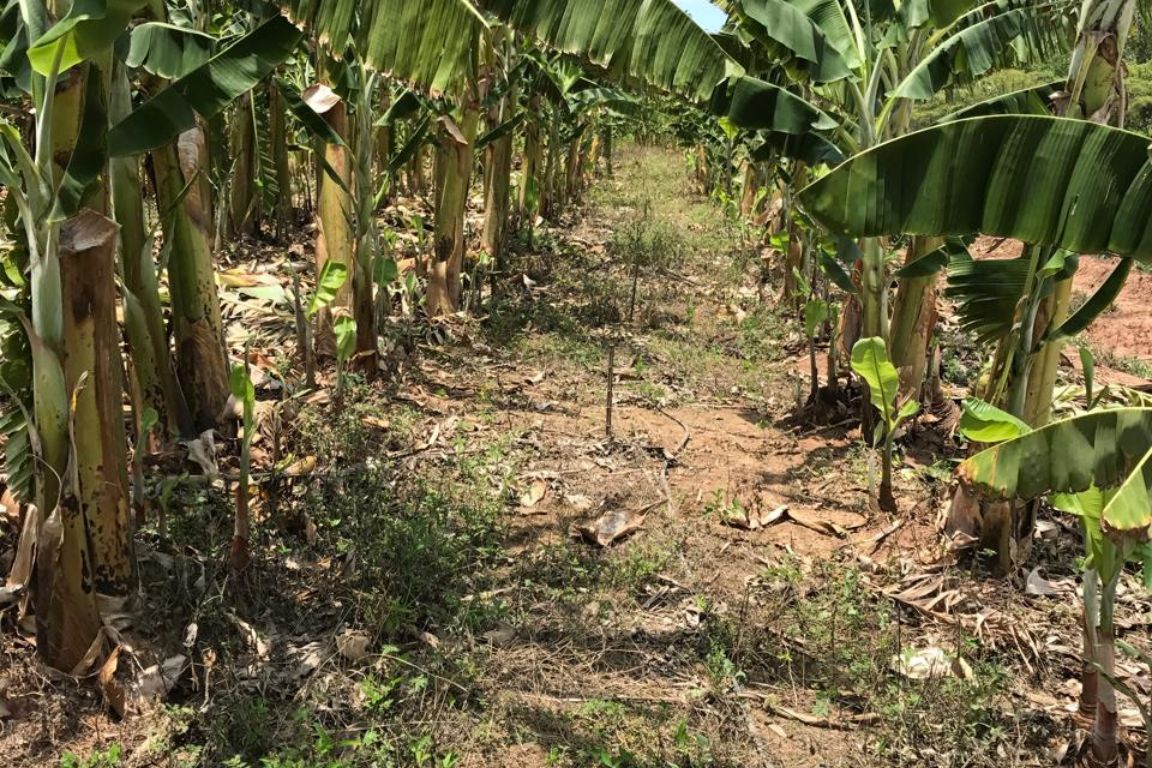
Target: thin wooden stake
x=611 y=382
x=303 y=340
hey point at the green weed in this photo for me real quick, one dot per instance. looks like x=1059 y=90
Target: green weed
x=112 y=757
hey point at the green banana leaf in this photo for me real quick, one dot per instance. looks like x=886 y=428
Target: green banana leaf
x=614 y=99
x=650 y=40
x=870 y=362
x=1068 y=456
x=344 y=328
x=206 y=90
x=500 y=131
x=835 y=272
x=811 y=148
x=429 y=44
x=1096 y=305
x=563 y=74
x=1046 y=180
x=168 y=51
x=757 y=105
x=934 y=261
x=941 y=13
x=1018 y=35
x=982 y=422
x=986 y=292
x=328 y=284
x=17 y=460
x=14 y=35
x=1129 y=512
x=815 y=313
x=415 y=141
x=830 y=19
x=407 y=105
x=1089 y=506
x=784 y=24
x=1108 y=450
x=88 y=29
x=1028 y=101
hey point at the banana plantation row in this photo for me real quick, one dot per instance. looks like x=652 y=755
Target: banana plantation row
x=139 y=137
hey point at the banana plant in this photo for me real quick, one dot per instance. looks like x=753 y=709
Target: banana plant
x=1009 y=187
x=433 y=45
x=1098 y=466
x=870 y=362
x=75 y=428
x=240 y=384
x=1061 y=186
x=865 y=67
x=189 y=78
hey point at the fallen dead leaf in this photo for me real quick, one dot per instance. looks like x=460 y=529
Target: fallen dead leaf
x=304 y=466
x=1042 y=587
x=774 y=516
x=610 y=527
x=1046 y=529
x=319 y=397
x=310 y=656
x=202 y=451
x=736 y=312
x=815 y=522
x=353 y=644
x=156 y=681
x=501 y=636
x=738 y=517
x=84 y=666
x=578 y=501
x=753 y=519
x=534 y=494
x=21 y=570
x=924 y=664
x=10 y=507
x=375 y=422
x=1130 y=717
x=253 y=638
x=110 y=686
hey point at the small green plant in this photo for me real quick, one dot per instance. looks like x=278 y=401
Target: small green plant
x=618 y=759
x=723 y=673
x=692 y=749
x=112 y=757
x=726 y=509
x=344 y=327
x=328 y=285
x=245 y=393
x=379 y=695
x=870 y=362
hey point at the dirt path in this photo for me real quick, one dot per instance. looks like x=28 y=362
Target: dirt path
x=741 y=608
